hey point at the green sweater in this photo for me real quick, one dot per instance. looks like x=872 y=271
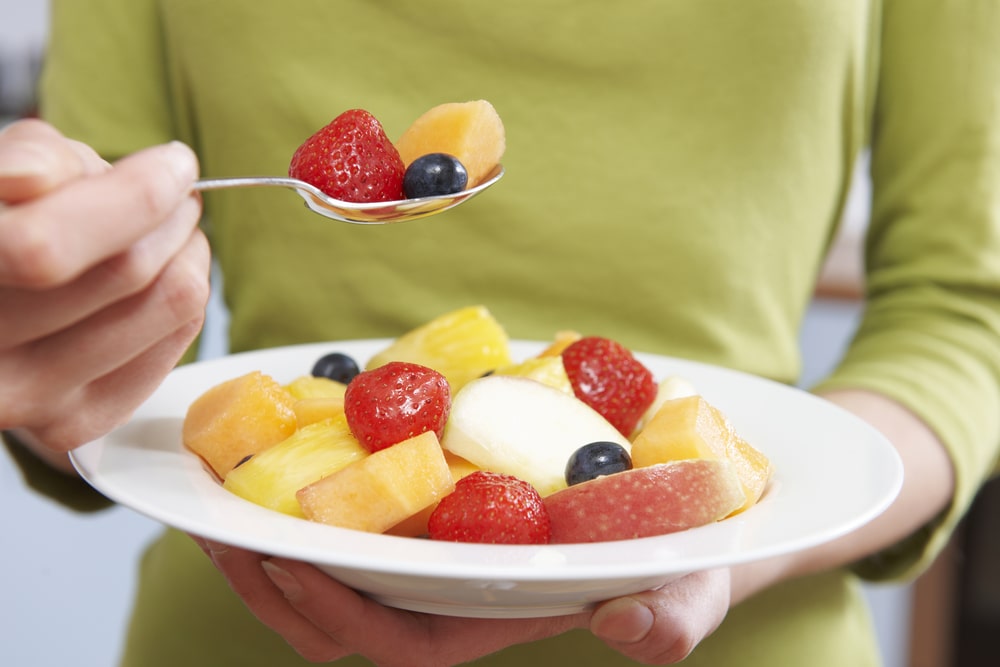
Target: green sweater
x=675 y=173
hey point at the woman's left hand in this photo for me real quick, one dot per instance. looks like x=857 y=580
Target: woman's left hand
x=324 y=620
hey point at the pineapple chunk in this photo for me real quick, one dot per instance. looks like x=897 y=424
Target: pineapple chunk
x=382 y=489
x=310 y=386
x=691 y=428
x=237 y=418
x=312 y=410
x=471 y=131
x=547 y=370
x=562 y=340
x=462 y=345
x=272 y=478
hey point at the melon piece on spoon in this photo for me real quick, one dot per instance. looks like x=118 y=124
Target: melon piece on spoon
x=470 y=131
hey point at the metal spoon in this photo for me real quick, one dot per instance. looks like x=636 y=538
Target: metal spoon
x=374 y=213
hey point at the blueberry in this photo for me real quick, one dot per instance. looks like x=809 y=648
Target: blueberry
x=596 y=459
x=434 y=174
x=336 y=366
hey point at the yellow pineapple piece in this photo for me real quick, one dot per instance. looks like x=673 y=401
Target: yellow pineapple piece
x=691 y=428
x=562 y=340
x=316 y=409
x=416 y=525
x=461 y=345
x=310 y=386
x=382 y=489
x=237 y=418
x=471 y=131
x=273 y=477
x=547 y=370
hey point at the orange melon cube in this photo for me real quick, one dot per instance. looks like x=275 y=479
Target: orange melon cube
x=691 y=428
x=377 y=492
x=237 y=418
x=416 y=525
x=470 y=131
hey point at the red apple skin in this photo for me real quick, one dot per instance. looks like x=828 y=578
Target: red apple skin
x=643 y=502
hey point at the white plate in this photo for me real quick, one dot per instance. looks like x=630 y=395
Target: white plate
x=833 y=473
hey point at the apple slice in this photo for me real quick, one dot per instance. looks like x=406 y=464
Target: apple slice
x=523 y=428
x=642 y=502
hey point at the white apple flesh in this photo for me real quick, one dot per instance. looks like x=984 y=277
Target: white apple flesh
x=524 y=428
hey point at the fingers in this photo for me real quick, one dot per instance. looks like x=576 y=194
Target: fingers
x=93 y=410
x=663 y=627
x=67 y=386
x=248 y=579
x=48 y=241
x=35 y=158
x=121 y=276
x=359 y=625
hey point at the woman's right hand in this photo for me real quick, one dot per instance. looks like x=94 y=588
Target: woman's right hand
x=104 y=278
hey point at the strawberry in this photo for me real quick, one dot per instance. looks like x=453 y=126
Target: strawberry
x=491 y=508
x=394 y=402
x=351 y=159
x=606 y=376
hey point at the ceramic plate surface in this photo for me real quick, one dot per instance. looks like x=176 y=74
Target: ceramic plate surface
x=832 y=474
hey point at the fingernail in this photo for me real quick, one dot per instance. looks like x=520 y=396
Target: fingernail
x=282 y=578
x=20 y=160
x=624 y=620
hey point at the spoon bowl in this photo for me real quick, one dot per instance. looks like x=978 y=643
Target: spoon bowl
x=367 y=213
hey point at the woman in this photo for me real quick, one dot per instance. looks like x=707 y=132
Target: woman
x=699 y=153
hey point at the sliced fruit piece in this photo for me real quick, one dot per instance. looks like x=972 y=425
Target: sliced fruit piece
x=351 y=159
x=397 y=401
x=312 y=410
x=416 y=525
x=237 y=418
x=382 y=489
x=471 y=131
x=491 y=508
x=607 y=377
x=462 y=344
x=689 y=427
x=547 y=370
x=643 y=502
x=523 y=428
x=669 y=388
x=272 y=478
x=309 y=386
x=560 y=342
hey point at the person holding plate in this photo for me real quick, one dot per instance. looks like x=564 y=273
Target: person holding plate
x=675 y=173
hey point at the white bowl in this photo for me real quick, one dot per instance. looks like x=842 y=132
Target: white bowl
x=833 y=473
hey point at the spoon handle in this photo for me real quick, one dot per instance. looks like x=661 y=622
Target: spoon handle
x=245 y=182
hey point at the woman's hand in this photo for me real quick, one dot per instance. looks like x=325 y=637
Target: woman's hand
x=103 y=282
x=324 y=620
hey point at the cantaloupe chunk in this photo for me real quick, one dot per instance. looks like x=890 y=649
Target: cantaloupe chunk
x=381 y=490
x=416 y=525
x=691 y=428
x=471 y=131
x=237 y=418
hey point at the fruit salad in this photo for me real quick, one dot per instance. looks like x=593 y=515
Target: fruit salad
x=443 y=435
x=450 y=148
